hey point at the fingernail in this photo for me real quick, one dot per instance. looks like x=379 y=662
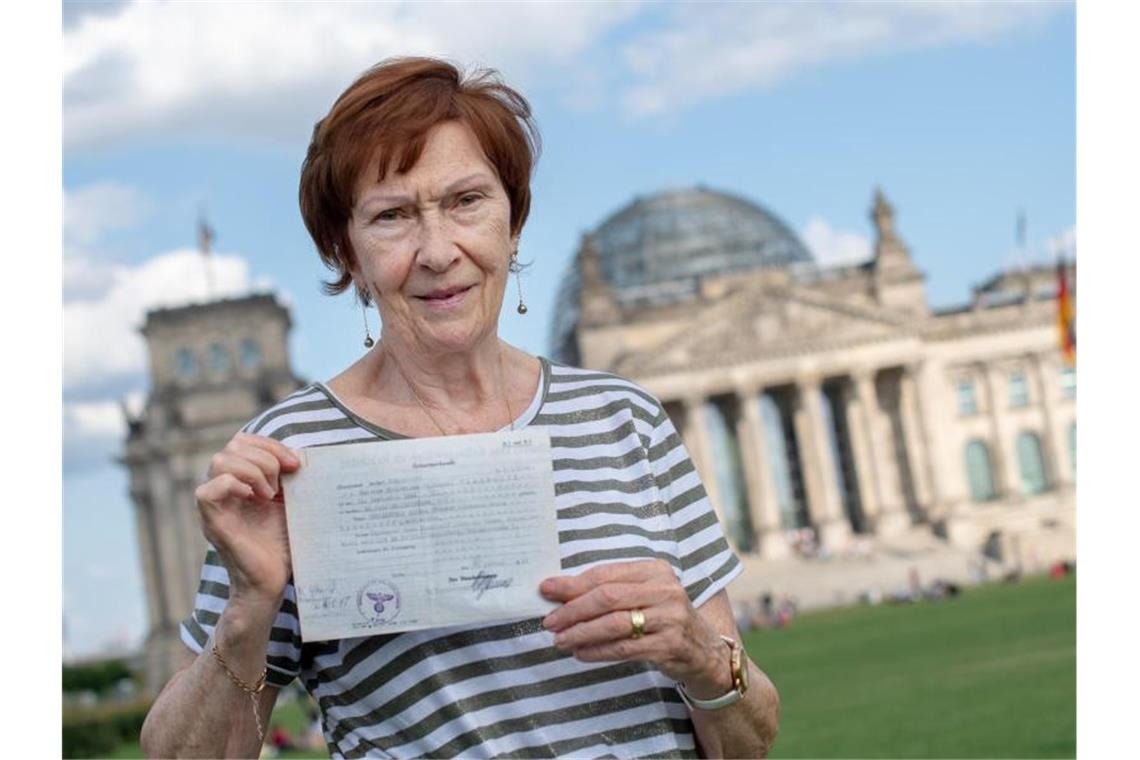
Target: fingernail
x=559 y=641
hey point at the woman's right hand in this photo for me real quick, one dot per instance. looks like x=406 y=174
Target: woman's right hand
x=243 y=516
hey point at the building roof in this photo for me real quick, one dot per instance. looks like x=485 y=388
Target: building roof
x=656 y=248
x=684 y=234
x=172 y=316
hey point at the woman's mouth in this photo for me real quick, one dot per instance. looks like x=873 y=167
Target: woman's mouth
x=444 y=297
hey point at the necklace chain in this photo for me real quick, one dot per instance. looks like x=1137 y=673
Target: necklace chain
x=434 y=421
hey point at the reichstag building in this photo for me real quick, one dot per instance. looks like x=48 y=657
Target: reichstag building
x=828 y=406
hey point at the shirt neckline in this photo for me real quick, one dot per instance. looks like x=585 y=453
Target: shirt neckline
x=518 y=423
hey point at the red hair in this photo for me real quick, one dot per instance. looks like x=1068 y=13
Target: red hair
x=388 y=112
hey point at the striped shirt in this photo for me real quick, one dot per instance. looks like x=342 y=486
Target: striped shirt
x=625 y=489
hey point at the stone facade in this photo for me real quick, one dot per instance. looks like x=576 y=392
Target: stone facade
x=213 y=367
x=834 y=405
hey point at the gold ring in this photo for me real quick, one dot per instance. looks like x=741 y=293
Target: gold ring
x=637 y=624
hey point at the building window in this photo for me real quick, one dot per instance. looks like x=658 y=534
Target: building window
x=967 y=402
x=1069 y=382
x=187 y=364
x=219 y=359
x=250 y=353
x=979 y=471
x=1032 y=464
x=1018 y=390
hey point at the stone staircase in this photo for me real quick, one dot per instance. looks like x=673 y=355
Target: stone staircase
x=882 y=567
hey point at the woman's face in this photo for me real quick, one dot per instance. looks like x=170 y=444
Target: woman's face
x=433 y=245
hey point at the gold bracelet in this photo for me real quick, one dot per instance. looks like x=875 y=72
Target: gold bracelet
x=252 y=691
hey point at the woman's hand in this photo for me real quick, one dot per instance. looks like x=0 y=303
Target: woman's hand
x=595 y=623
x=243 y=516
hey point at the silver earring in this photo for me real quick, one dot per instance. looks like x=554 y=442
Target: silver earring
x=368 y=342
x=516 y=268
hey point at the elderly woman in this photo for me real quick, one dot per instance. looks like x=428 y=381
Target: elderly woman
x=415 y=190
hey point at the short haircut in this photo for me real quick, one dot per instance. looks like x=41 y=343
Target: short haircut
x=388 y=112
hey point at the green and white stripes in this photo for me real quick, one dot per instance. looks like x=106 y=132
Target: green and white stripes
x=625 y=490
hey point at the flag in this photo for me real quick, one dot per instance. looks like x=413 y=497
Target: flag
x=1066 y=315
x=205 y=237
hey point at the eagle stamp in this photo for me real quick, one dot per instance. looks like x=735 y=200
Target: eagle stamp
x=378 y=602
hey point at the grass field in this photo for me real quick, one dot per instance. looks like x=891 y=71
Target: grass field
x=991 y=673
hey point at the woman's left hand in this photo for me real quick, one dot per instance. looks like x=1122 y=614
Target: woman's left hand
x=595 y=623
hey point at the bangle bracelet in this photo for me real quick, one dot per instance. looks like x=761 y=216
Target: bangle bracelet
x=739 y=670
x=252 y=690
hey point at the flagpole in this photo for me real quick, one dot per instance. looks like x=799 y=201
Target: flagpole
x=1021 y=238
x=205 y=237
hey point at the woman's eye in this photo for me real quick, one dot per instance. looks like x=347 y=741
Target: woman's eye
x=469 y=199
x=389 y=215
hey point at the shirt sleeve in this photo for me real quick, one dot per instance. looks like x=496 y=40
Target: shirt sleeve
x=283 y=656
x=707 y=562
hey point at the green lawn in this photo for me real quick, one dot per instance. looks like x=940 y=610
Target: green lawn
x=991 y=673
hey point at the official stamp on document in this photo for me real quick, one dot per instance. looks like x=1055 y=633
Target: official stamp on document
x=378 y=602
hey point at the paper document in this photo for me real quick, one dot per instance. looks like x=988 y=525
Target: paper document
x=400 y=535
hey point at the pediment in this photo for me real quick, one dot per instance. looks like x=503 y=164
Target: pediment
x=766 y=321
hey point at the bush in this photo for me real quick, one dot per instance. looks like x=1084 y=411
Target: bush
x=94 y=733
x=98 y=677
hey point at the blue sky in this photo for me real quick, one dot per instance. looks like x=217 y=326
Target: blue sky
x=962 y=114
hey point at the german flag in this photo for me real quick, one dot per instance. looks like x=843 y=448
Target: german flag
x=1066 y=315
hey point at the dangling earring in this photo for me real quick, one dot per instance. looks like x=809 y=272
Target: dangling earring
x=368 y=342
x=516 y=268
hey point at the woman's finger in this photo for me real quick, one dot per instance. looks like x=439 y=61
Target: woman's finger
x=604 y=599
x=287 y=458
x=563 y=588
x=248 y=471
x=265 y=460
x=613 y=626
x=223 y=487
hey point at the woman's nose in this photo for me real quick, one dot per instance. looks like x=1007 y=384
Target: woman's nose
x=438 y=249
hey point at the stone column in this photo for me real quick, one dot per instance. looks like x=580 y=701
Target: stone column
x=914 y=428
x=891 y=517
x=763 y=503
x=861 y=450
x=819 y=466
x=696 y=438
x=1057 y=473
x=156 y=605
x=1002 y=447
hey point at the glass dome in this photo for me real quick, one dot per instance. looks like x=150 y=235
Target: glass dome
x=656 y=249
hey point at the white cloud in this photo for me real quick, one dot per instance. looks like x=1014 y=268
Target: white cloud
x=832 y=247
x=97 y=419
x=270 y=69
x=93 y=433
x=93 y=209
x=712 y=50
x=101 y=339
